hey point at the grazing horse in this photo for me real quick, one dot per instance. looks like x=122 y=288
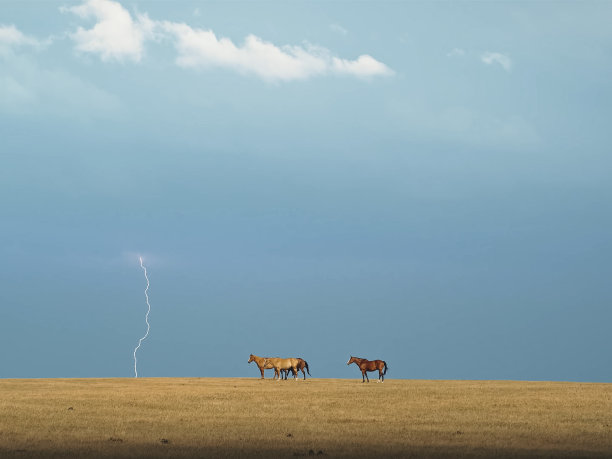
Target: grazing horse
x=261 y=363
x=370 y=365
x=301 y=365
x=282 y=364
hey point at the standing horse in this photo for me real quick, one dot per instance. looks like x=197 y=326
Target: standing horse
x=282 y=364
x=301 y=365
x=370 y=365
x=261 y=363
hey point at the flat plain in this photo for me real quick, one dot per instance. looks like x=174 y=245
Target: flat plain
x=249 y=417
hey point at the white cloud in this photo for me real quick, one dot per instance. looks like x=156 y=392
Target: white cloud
x=115 y=36
x=202 y=48
x=118 y=36
x=497 y=58
x=363 y=66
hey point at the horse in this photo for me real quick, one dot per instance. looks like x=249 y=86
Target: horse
x=282 y=364
x=370 y=365
x=301 y=365
x=261 y=363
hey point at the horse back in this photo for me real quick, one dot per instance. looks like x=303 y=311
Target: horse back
x=372 y=365
x=283 y=364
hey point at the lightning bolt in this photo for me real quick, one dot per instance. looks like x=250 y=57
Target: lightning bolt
x=146 y=318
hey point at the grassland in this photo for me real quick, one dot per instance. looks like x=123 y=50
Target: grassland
x=240 y=417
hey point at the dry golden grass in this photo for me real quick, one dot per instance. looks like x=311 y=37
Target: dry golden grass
x=227 y=417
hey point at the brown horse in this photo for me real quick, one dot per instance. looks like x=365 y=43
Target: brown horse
x=301 y=365
x=261 y=363
x=370 y=365
x=282 y=364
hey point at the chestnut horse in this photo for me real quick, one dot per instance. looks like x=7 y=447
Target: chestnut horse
x=370 y=365
x=301 y=365
x=261 y=363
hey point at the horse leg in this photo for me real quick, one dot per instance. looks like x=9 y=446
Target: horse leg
x=262 y=372
x=363 y=376
x=366 y=373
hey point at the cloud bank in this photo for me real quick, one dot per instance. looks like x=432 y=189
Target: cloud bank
x=118 y=36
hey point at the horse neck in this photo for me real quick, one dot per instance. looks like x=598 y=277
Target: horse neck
x=259 y=360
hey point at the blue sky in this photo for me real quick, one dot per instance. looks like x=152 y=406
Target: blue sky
x=424 y=183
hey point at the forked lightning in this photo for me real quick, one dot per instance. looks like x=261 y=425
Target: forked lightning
x=146 y=318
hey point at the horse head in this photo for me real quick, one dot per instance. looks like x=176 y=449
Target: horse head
x=351 y=360
x=251 y=358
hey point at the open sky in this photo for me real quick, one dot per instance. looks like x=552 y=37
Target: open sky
x=424 y=183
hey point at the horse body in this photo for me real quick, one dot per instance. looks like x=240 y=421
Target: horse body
x=302 y=364
x=366 y=365
x=261 y=363
x=282 y=364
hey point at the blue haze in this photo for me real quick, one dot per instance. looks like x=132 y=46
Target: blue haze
x=452 y=219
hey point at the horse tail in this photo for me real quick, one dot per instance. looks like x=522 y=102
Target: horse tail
x=306 y=365
x=386 y=368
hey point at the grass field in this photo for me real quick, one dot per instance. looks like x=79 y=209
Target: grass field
x=240 y=417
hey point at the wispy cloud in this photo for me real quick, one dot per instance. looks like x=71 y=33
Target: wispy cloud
x=11 y=37
x=456 y=52
x=337 y=28
x=490 y=58
x=117 y=35
x=26 y=87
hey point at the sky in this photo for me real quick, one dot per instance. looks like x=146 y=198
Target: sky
x=426 y=183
